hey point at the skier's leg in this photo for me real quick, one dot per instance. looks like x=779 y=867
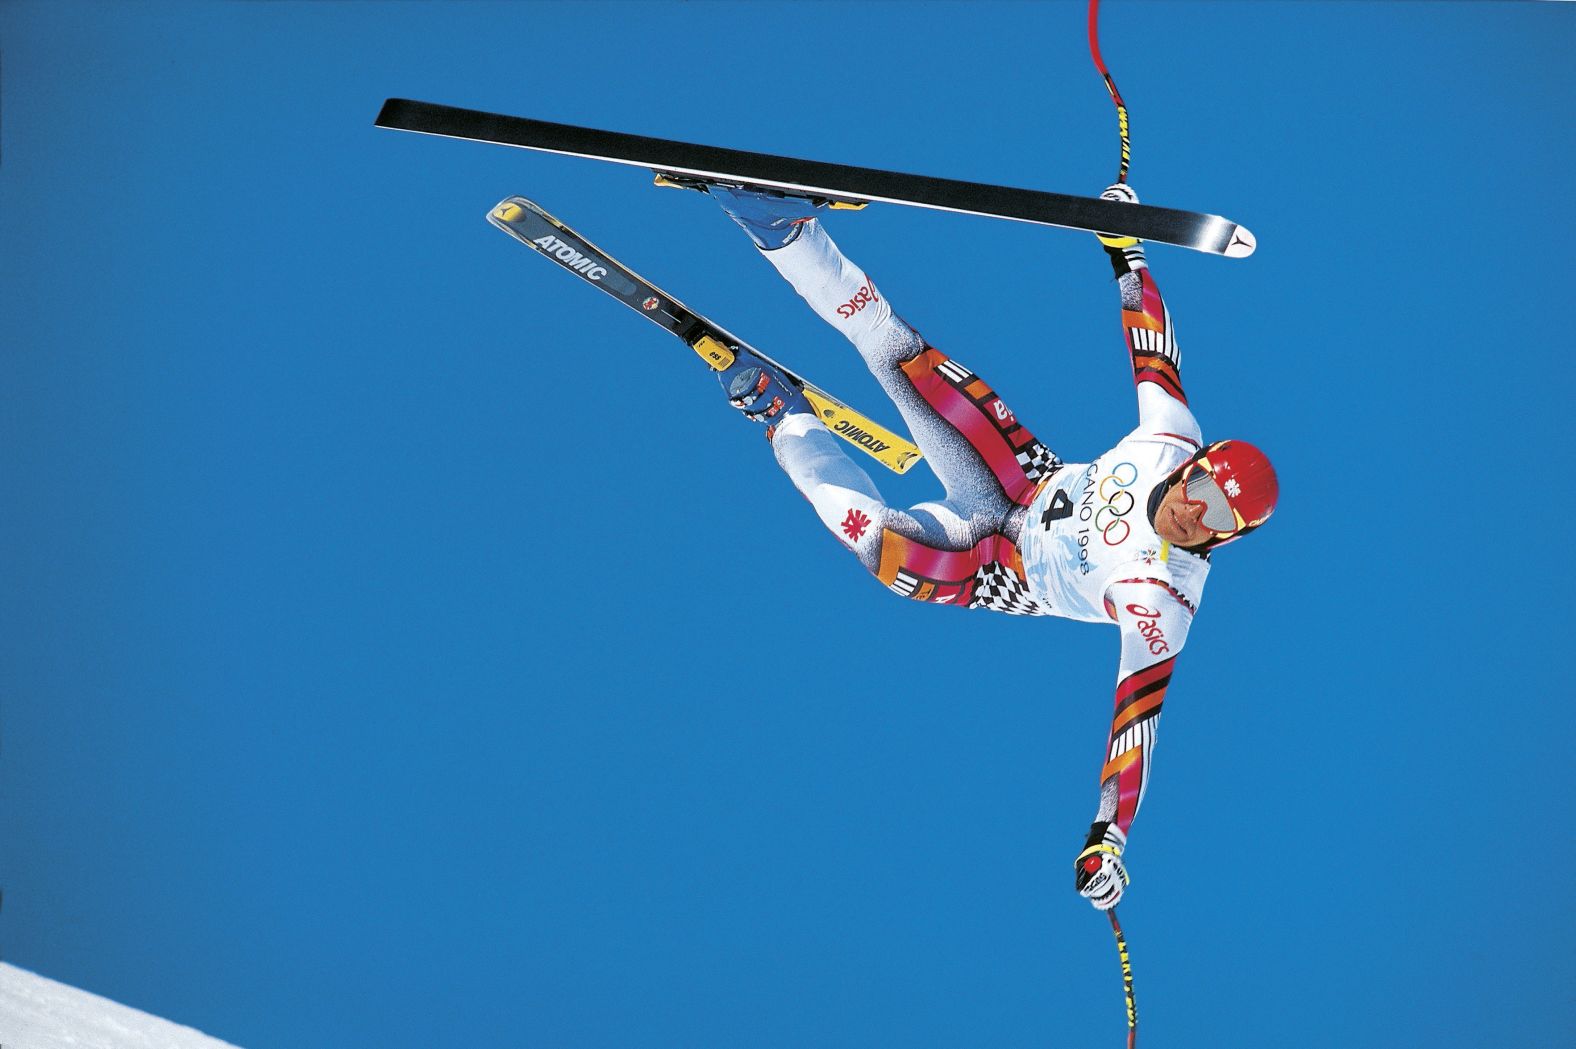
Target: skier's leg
x=930 y=552
x=940 y=552
x=974 y=442
x=844 y=496
x=960 y=550
x=841 y=492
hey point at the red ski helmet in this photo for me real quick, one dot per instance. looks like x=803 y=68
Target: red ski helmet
x=1235 y=482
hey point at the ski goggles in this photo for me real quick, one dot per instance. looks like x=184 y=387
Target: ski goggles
x=1199 y=486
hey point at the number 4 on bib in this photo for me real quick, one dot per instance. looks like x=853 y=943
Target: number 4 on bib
x=1061 y=507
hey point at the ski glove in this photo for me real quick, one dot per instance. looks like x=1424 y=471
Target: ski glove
x=1122 y=193
x=1100 y=876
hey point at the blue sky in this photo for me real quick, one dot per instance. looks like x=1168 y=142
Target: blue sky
x=405 y=646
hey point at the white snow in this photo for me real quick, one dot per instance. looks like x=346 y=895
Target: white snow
x=37 y=1013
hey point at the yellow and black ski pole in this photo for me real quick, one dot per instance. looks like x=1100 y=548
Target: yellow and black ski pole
x=1127 y=980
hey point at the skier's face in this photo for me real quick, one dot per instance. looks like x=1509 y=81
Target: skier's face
x=1179 y=520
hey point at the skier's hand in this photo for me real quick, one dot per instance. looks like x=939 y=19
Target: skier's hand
x=1122 y=193
x=1100 y=876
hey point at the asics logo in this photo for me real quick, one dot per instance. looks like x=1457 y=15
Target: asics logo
x=862 y=298
x=551 y=245
x=1150 y=628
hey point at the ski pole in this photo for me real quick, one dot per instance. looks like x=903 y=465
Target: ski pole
x=1121 y=176
x=1110 y=85
x=1127 y=980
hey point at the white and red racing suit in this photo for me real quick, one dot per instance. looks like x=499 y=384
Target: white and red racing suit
x=1017 y=530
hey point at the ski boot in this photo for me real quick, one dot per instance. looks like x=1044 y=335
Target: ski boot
x=772 y=220
x=771 y=217
x=764 y=393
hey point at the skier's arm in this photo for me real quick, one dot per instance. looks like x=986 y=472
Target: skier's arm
x=1152 y=348
x=1154 y=623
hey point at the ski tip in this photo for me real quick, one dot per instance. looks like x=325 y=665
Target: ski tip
x=387 y=115
x=512 y=215
x=509 y=211
x=1241 y=244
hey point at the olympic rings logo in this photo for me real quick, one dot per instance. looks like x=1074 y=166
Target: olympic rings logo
x=1117 y=502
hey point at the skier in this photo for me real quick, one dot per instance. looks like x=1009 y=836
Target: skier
x=1125 y=539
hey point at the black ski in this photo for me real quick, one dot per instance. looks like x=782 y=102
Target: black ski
x=835 y=182
x=527 y=223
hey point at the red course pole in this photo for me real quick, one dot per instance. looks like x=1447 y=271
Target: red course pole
x=1110 y=84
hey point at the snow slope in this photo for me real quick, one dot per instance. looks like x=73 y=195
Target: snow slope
x=36 y=1013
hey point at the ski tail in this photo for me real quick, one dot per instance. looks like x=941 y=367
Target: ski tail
x=527 y=223
x=885 y=447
